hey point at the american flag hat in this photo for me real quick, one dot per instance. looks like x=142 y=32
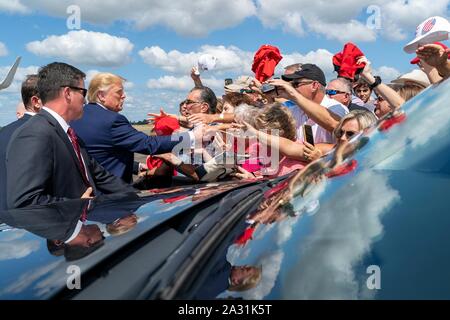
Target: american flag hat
x=431 y=30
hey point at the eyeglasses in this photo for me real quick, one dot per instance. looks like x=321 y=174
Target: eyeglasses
x=349 y=134
x=301 y=83
x=188 y=102
x=83 y=90
x=332 y=92
x=380 y=98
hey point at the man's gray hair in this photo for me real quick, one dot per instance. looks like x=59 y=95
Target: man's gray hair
x=294 y=67
x=343 y=84
x=247 y=113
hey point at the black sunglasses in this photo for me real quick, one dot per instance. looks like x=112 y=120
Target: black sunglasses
x=349 y=134
x=83 y=90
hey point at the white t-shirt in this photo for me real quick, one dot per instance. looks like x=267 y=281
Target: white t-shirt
x=320 y=134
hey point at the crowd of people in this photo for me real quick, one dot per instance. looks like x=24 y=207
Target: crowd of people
x=64 y=147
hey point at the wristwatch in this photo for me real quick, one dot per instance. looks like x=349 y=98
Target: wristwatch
x=376 y=83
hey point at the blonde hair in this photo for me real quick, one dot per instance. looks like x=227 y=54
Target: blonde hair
x=102 y=82
x=116 y=230
x=364 y=118
x=249 y=282
x=277 y=117
x=408 y=91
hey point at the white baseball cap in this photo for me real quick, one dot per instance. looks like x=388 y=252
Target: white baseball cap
x=431 y=30
x=417 y=77
x=206 y=62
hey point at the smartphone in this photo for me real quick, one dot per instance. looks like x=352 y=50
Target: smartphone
x=308 y=135
x=228 y=81
x=267 y=88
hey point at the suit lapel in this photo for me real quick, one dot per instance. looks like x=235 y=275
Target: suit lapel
x=63 y=135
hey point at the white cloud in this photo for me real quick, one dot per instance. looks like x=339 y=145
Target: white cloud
x=387 y=73
x=3 y=50
x=13 y=6
x=342 y=20
x=193 y=18
x=347 y=20
x=334 y=20
x=27 y=279
x=400 y=17
x=183 y=83
x=342 y=233
x=84 y=47
x=230 y=59
x=13 y=247
x=353 y=31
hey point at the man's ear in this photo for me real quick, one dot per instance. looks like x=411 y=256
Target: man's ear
x=315 y=86
x=66 y=92
x=101 y=96
x=205 y=107
x=36 y=103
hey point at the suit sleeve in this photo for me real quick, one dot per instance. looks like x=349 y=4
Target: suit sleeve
x=29 y=164
x=105 y=181
x=125 y=136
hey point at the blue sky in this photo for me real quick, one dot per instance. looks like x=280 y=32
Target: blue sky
x=160 y=41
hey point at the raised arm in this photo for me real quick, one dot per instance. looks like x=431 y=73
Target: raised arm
x=319 y=114
x=388 y=94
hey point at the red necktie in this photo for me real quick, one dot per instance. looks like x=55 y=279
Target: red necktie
x=76 y=146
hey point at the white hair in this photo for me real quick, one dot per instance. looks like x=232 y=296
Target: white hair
x=247 y=113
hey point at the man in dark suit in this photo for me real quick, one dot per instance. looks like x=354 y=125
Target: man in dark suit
x=32 y=103
x=45 y=161
x=109 y=136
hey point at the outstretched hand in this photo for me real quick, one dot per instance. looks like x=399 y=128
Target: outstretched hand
x=154 y=116
x=433 y=54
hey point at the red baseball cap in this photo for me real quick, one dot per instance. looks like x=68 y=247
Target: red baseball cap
x=416 y=60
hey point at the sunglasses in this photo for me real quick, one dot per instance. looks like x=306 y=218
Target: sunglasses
x=83 y=90
x=246 y=91
x=332 y=92
x=349 y=134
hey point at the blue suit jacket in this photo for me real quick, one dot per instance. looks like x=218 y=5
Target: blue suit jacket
x=112 y=141
x=5 y=136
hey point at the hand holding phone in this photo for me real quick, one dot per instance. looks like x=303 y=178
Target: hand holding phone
x=308 y=135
